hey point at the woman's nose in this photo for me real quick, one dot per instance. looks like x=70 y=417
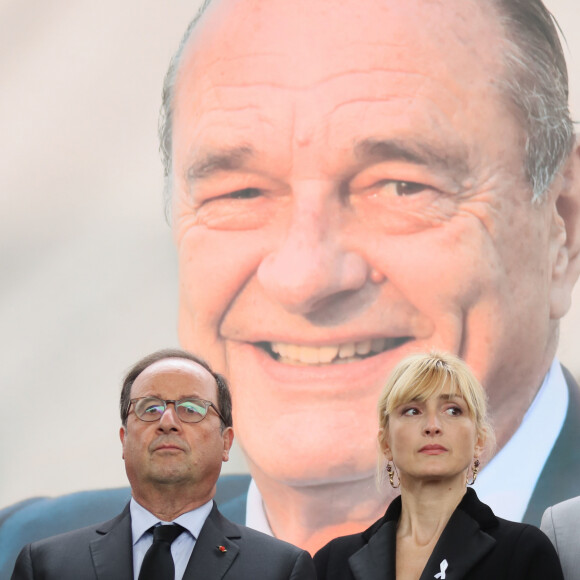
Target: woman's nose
x=432 y=425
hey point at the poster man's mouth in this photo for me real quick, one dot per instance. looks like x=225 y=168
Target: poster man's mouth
x=346 y=352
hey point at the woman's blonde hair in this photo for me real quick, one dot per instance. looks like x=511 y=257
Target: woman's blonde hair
x=421 y=376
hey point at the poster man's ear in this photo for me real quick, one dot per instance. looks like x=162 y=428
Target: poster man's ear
x=565 y=235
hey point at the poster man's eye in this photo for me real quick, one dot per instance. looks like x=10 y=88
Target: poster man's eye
x=246 y=193
x=401 y=188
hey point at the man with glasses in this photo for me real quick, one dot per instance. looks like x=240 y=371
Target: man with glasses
x=176 y=431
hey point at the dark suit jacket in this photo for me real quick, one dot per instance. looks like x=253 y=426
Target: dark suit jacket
x=475 y=544
x=41 y=517
x=103 y=552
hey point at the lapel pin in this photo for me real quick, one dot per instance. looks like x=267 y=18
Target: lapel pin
x=442 y=568
x=222 y=549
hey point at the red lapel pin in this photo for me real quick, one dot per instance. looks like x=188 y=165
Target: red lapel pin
x=222 y=549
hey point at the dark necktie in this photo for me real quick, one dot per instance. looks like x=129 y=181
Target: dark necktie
x=158 y=562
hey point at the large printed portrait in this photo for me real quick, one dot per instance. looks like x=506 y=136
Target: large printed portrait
x=346 y=183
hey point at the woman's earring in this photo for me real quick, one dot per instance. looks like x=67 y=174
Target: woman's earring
x=474 y=469
x=391 y=470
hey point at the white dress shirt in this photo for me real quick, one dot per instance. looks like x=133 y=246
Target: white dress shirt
x=507 y=482
x=181 y=548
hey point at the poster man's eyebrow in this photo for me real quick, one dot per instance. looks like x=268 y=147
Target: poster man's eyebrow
x=449 y=160
x=214 y=161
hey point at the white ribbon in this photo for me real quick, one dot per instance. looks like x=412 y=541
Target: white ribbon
x=442 y=568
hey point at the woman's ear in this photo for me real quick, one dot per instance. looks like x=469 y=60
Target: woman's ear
x=384 y=443
x=480 y=444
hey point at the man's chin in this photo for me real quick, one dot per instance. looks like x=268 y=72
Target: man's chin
x=170 y=476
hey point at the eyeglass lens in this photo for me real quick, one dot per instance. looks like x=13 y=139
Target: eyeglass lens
x=188 y=410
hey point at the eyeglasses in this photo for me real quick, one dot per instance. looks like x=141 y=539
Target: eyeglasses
x=189 y=410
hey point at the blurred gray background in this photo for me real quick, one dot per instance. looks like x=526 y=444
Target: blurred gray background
x=87 y=268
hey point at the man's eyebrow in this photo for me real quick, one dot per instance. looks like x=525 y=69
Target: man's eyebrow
x=450 y=159
x=191 y=397
x=214 y=161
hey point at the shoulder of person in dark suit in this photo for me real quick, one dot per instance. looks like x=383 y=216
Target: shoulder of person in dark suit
x=65 y=555
x=259 y=556
x=42 y=517
x=244 y=553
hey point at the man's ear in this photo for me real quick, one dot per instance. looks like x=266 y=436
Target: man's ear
x=228 y=438
x=122 y=437
x=565 y=235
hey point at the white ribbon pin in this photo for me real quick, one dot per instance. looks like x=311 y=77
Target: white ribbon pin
x=442 y=568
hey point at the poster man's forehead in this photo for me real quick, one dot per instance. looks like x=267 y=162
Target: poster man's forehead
x=304 y=74
x=305 y=36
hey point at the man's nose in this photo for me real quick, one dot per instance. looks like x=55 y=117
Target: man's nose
x=169 y=420
x=310 y=266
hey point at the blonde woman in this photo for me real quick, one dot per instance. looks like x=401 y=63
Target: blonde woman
x=432 y=432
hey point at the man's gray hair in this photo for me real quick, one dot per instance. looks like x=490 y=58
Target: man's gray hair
x=535 y=80
x=165 y=128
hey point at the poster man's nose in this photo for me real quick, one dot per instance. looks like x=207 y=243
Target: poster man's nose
x=311 y=264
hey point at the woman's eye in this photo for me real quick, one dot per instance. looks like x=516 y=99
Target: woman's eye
x=454 y=411
x=410 y=411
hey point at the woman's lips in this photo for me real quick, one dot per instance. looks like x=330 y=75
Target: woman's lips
x=432 y=449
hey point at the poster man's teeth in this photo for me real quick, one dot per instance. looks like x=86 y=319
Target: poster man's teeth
x=327 y=353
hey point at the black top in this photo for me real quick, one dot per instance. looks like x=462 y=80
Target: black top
x=475 y=545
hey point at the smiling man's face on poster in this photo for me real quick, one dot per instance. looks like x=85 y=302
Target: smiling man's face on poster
x=353 y=182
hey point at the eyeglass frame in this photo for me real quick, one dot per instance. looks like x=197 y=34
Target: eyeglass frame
x=207 y=404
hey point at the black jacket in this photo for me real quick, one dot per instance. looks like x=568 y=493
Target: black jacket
x=475 y=544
